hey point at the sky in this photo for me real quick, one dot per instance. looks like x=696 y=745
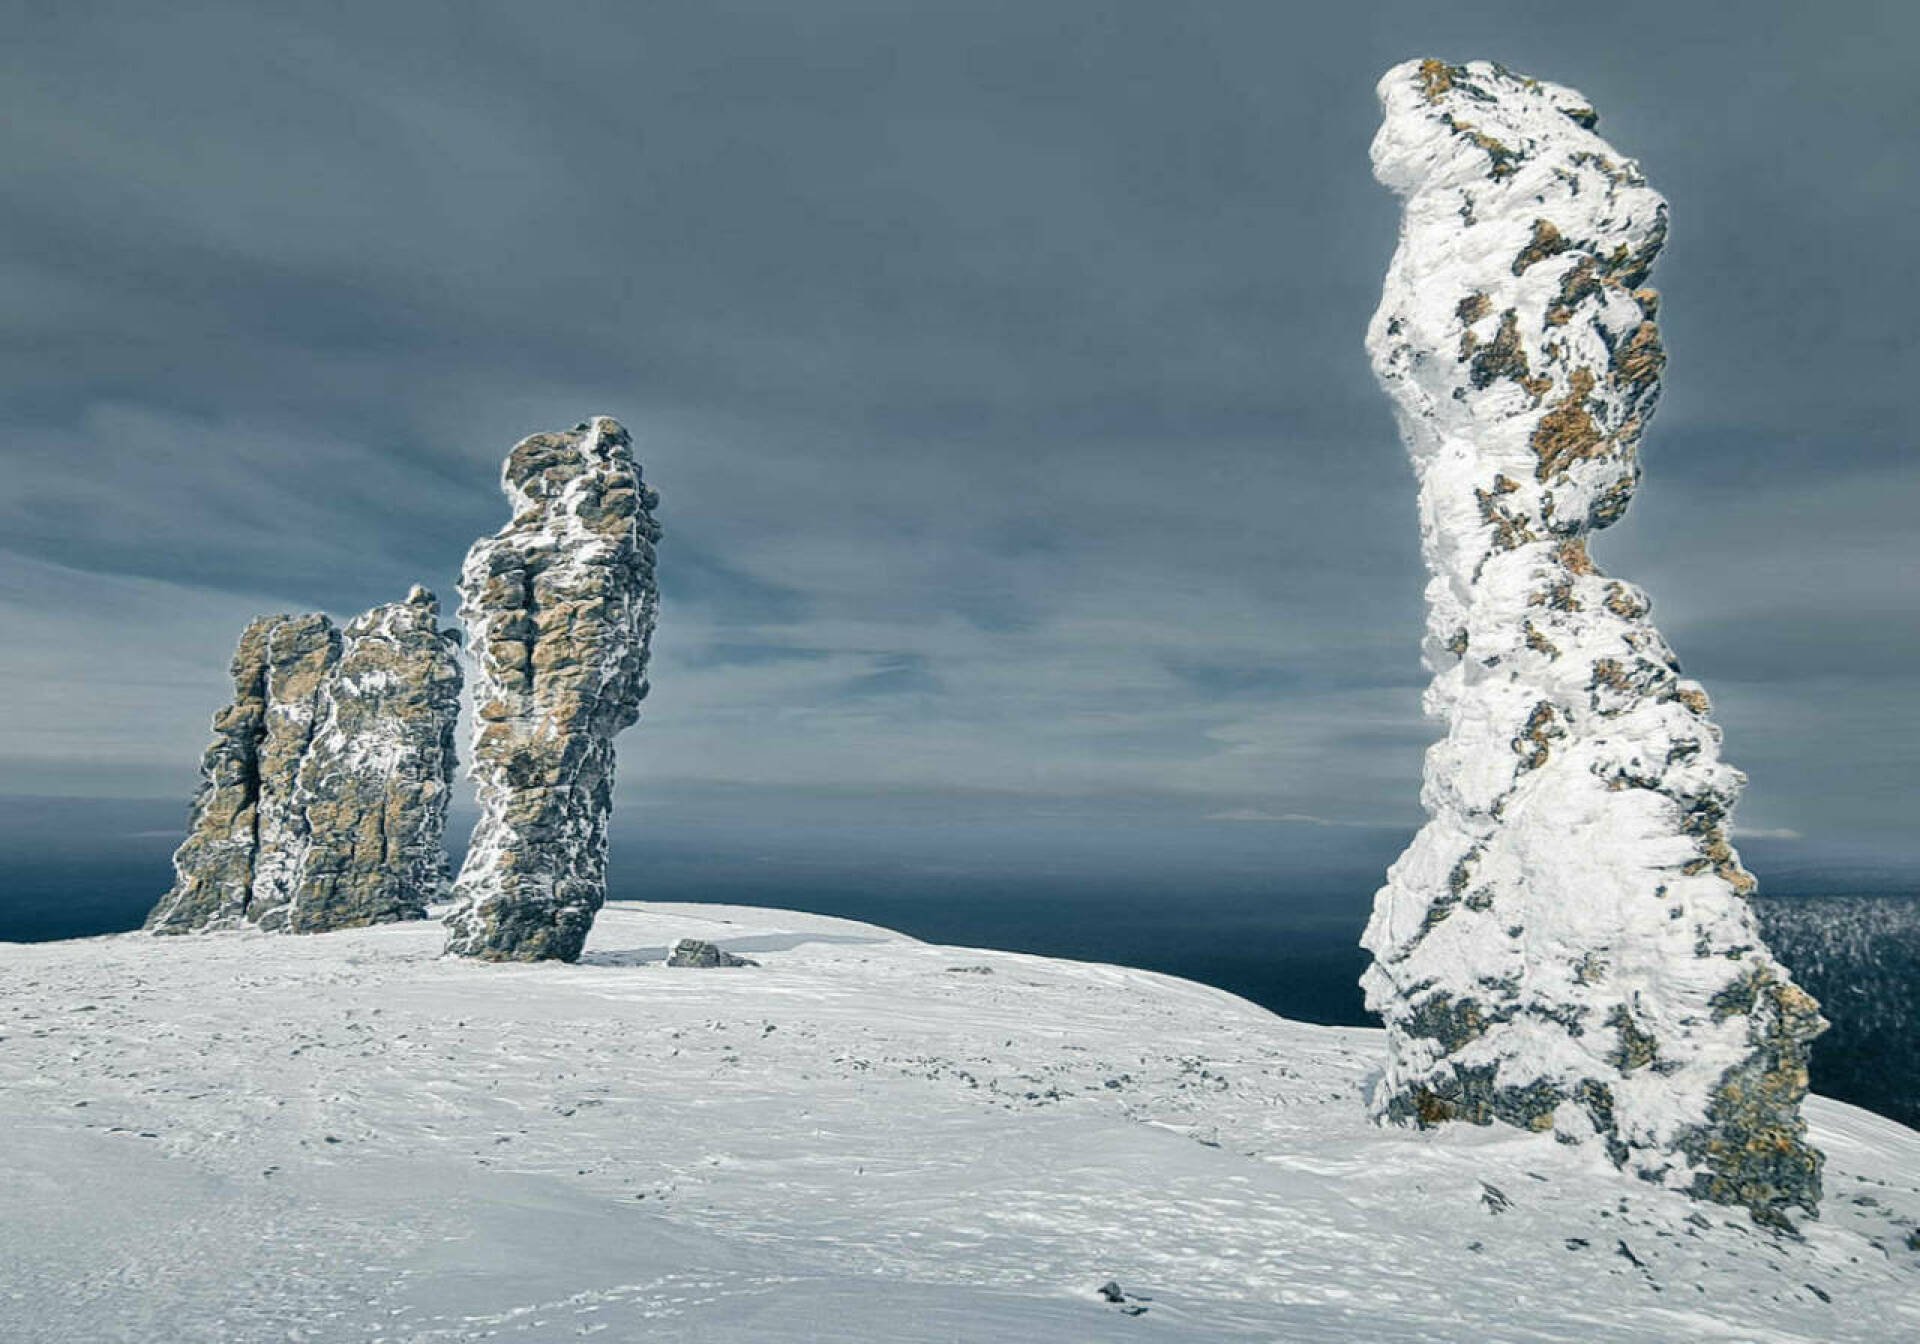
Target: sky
x=1000 y=367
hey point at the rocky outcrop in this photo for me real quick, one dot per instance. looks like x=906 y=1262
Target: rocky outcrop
x=324 y=793
x=560 y=607
x=1567 y=944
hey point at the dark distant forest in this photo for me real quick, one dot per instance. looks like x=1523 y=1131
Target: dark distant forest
x=1860 y=956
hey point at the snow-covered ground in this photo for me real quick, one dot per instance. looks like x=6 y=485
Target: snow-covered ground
x=239 y=1137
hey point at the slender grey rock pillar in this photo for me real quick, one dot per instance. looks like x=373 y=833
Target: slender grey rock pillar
x=560 y=607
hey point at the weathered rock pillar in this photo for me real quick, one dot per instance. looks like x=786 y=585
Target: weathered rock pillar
x=1566 y=945
x=325 y=788
x=560 y=607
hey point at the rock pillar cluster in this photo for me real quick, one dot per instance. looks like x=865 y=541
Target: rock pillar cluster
x=324 y=792
x=1567 y=945
x=324 y=795
x=560 y=608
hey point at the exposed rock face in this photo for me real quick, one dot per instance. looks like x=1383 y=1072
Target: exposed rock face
x=213 y=869
x=699 y=953
x=377 y=775
x=560 y=607
x=1566 y=945
x=301 y=653
x=326 y=785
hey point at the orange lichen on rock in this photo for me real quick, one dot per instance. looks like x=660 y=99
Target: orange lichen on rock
x=1546 y=242
x=1568 y=433
x=1436 y=78
x=1694 y=698
x=1638 y=362
x=1573 y=554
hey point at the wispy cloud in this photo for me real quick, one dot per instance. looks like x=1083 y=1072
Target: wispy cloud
x=1254 y=814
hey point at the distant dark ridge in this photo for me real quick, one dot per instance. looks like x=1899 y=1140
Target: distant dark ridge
x=1860 y=956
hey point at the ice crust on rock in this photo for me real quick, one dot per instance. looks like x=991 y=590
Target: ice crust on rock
x=324 y=792
x=560 y=607
x=1566 y=945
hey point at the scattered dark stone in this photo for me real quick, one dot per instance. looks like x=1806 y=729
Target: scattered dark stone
x=1112 y=1292
x=694 y=952
x=1494 y=1198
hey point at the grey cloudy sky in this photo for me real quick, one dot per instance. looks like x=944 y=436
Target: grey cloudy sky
x=1000 y=366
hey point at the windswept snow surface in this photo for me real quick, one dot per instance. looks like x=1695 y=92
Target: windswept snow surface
x=237 y=1137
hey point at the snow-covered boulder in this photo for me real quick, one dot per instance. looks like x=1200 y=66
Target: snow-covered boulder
x=1567 y=945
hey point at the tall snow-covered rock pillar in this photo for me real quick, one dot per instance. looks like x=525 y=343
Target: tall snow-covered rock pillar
x=1567 y=944
x=560 y=607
